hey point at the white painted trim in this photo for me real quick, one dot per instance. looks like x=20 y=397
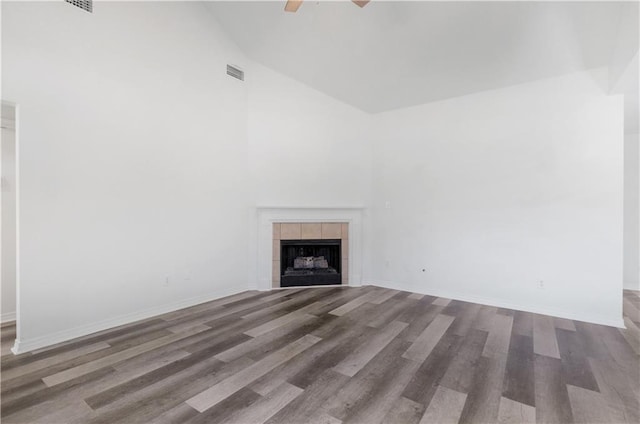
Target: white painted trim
x=308 y=287
x=7 y=317
x=22 y=346
x=269 y=215
x=311 y=208
x=499 y=303
x=18 y=144
x=18 y=134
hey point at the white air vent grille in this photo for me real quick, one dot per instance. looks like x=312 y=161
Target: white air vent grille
x=235 y=72
x=82 y=4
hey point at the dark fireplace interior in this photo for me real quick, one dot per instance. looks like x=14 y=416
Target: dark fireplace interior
x=310 y=262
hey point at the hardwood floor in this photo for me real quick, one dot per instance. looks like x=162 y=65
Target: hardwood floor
x=331 y=355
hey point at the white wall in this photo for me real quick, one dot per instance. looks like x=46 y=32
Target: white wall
x=494 y=192
x=625 y=47
x=306 y=149
x=133 y=162
x=8 y=284
x=631 y=212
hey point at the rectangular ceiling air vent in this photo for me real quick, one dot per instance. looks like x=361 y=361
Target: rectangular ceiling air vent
x=82 y=4
x=235 y=72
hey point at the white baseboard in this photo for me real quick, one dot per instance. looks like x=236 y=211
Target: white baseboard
x=22 y=346
x=308 y=287
x=319 y=286
x=500 y=303
x=7 y=317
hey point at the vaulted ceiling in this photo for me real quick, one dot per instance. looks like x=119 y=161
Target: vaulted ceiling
x=390 y=55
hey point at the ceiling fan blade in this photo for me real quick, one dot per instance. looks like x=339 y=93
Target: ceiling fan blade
x=292 y=5
x=361 y=3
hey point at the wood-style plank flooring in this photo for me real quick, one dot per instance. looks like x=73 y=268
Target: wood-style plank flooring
x=333 y=355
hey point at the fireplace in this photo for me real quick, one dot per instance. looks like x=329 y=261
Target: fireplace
x=310 y=253
x=276 y=223
x=310 y=262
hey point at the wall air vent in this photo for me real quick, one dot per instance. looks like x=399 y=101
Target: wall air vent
x=235 y=72
x=82 y=4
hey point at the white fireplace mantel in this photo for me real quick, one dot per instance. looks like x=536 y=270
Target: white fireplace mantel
x=268 y=215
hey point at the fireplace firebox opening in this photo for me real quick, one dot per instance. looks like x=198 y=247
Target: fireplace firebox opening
x=310 y=262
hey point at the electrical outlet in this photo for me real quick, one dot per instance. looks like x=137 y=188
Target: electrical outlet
x=166 y=282
x=541 y=284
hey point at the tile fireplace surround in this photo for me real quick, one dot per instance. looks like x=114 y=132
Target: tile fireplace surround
x=296 y=223
x=307 y=231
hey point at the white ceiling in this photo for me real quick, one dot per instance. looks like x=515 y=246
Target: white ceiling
x=390 y=55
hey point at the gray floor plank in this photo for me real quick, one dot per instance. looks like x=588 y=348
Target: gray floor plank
x=350 y=306
x=364 y=353
x=445 y=407
x=226 y=388
x=631 y=334
x=483 y=399
x=423 y=385
x=484 y=318
x=266 y=407
x=83 y=369
x=588 y=406
x=462 y=367
x=309 y=404
x=368 y=395
x=427 y=340
x=47 y=362
x=523 y=323
x=238 y=357
x=519 y=378
x=499 y=337
x=178 y=415
x=621 y=392
x=383 y=296
x=465 y=319
x=575 y=365
x=254 y=343
x=552 y=399
x=327 y=354
x=149 y=402
x=564 y=324
x=404 y=411
x=544 y=337
x=510 y=412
